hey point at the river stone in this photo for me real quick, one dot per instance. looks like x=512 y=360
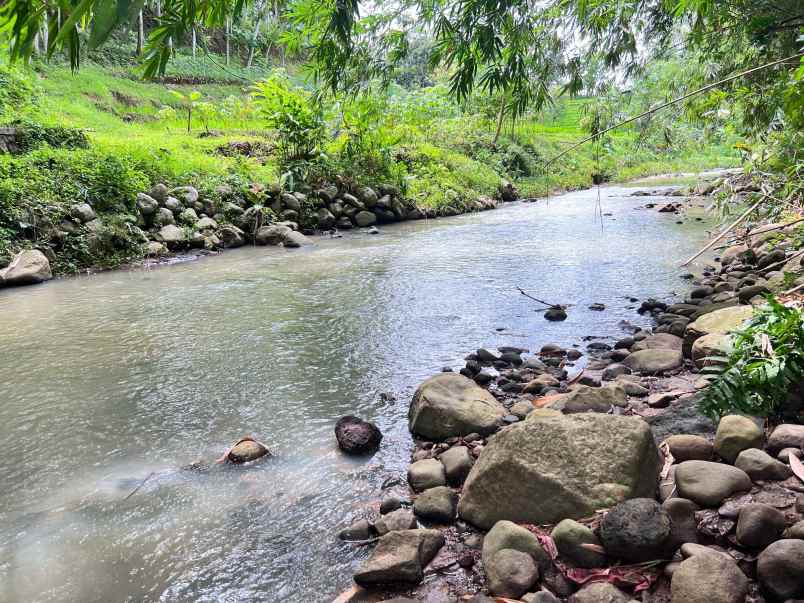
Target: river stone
x=759 y=465
x=786 y=435
x=584 y=398
x=246 y=451
x=171 y=235
x=522 y=408
x=273 y=234
x=508 y=535
x=206 y=223
x=551 y=467
x=542 y=596
x=400 y=556
x=723 y=321
x=296 y=239
x=427 y=473
x=457 y=463
x=146 y=204
x=569 y=536
x=365 y=218
x=325 y=219
x=659 y=341
x=231 y=236
x=611 y=372
x=359 y=530
x=780 y=569
x=356 y=436
x=82 y=212
x=510 y=573
x=555 y=314
x=163 y=217
x=400 y=519
x=712 y=344
x=653 y=361
x=190 y=217
x=795 y=531
x=686 y=447
x=437 y=505
x=29 y=267
x=636 y=530
x=758 y=525
x=600 y=592
x=450 y=405
x=708 y=578
x=159 y=192
x=173 y=204
x=187 y=194
x=540 y=383
x=709 y=484
x=683 y=526
x=736 y=433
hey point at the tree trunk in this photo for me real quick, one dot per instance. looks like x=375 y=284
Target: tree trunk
x=227 y=32
x=194 y=41
x=140 y=33
x=500 y=117
x=258 y=20
x=45 y=34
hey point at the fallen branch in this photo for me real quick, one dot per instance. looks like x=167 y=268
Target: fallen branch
x=548 y=304
x=724 y=232
x=140 y=485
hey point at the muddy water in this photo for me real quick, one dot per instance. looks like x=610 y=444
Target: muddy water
x=111 y=379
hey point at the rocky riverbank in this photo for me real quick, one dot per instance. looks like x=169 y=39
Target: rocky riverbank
x=588 y=474
x=174 y=224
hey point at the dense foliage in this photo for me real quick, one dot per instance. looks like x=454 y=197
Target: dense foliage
x=765 y=367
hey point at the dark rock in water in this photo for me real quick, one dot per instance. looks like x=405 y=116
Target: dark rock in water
x=780 y=569
x=246 y=450
x=555 y=314
x=636 y=530
x=356 y=436
x=360 y=530
x=390 y=503
x=597 y=307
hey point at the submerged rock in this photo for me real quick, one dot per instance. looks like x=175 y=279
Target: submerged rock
x=246 y=450
x=551 y=467
x=356 y=436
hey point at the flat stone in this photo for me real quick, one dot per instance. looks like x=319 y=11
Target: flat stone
x=400 y=519
x=600 y=592
x=709 y=484
x=400 y=556
x=591 y=399
x=654 y=361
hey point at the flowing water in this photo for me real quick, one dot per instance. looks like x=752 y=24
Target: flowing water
x=108 y=379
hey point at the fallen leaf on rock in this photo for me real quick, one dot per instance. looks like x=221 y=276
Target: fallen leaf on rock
x=797 y=466
x=544 y=401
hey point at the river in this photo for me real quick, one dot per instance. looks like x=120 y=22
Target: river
x=110 y=378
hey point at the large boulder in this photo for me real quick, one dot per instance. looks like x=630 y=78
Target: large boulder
x=787 y=435
x=711 y=346
x=709 y=484
x=552 y=466
x=356 y=436
x=28 y=267
x=659 y=341
x=708 y=578
x=721 y=321
x=400 y=556
x=654 y=360
x=450 y=405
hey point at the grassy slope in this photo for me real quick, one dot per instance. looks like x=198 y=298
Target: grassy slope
x=121 y=114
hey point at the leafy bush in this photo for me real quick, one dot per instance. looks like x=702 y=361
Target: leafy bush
x=764 y=368
x=296 y=117
x=31 y=134
x=16 y=93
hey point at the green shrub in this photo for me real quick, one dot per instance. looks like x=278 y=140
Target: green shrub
x=31 y=135
x=765 y=366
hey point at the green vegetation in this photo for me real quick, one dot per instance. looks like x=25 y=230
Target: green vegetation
x=764 y=368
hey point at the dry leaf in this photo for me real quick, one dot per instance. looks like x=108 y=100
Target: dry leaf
x=797 y=466
x=596 y=548
x=544 y=401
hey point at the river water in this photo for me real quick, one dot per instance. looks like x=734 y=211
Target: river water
x=107 y=379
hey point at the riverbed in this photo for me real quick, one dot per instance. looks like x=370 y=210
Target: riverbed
x=112 y=383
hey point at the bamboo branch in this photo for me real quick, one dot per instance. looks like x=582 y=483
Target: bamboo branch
x=529 y=296
x=724 y=232
x=672 y=102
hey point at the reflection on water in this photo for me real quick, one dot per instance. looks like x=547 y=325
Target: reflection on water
x=107 y=379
